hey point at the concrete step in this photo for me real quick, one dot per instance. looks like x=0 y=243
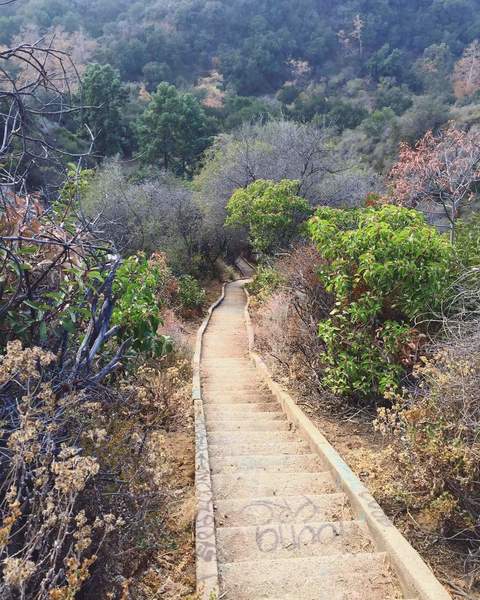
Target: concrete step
x=239 y=449
x=248 y=425
x=223 y=401
x=230 y=373
x=237 y=399
x=276 y=463
x=245 y=484
x=336 y=577
x=230 y=438
x=209 y=390
x=263 y=510
x=226 y=360
x=233 y=375
x=215 y=384
x=250 y=410
x=233 y=413
x=292 y=540
x=212 y=386
x=229 y=370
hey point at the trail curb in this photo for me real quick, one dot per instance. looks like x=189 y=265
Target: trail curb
x=205 y=540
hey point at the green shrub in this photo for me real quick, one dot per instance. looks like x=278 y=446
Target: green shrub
x=385 y=267
x=265 y=282
x=467 y=241
x=190 y=294
x=138 y=288
x=272 y=213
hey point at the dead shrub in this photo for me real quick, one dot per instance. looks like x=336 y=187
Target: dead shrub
x=288 y=320
x=70 y=462
x=137 y=470
x=434 y=430
x=47 y=540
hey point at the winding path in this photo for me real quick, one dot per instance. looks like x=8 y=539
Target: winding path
x=283 y=528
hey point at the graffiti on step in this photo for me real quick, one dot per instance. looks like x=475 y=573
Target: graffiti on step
x=288 y=526
x=281 y=511
x=205 y=525
x=293 y=536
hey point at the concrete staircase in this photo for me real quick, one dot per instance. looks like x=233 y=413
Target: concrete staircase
x=283 y=528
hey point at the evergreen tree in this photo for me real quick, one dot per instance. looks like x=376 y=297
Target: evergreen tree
x=173 y=130
x=104 y=98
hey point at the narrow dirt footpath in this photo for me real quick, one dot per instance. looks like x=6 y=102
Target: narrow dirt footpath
x=283 y=529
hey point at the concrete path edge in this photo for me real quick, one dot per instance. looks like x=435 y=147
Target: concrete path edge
x=205 y=541
x=416 y=578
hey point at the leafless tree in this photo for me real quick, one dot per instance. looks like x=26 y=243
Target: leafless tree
x=441 y=171
x=35 y=91
x=281 y=150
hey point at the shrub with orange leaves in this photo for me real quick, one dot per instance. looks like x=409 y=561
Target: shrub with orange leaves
x=438 y=175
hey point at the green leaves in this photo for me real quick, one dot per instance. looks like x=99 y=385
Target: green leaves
x=139 y=303
x=385 y=267
x=104 y=97
x=272 y=212
x=173 y=130
x=191 y=295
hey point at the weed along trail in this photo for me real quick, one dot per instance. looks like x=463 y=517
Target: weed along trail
x=280 y=515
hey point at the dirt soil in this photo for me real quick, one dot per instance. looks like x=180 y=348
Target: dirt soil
x=171 y=572
x=367 y=455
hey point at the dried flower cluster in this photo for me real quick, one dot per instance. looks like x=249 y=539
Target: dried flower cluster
x=45 y=540
x=433 y=430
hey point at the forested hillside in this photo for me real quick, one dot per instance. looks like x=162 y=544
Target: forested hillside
x=254 y=44
x=144 y=147
x=377 y=72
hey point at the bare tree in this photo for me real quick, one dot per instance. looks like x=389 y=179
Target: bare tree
x=275 y=151
x=466 y=75
x=30 y=103
x=442 y=171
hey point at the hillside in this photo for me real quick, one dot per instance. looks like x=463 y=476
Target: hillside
x=151 y=152
x=385 y=70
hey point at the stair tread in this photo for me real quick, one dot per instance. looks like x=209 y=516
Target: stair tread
x=222 y=400
x=241 y=417
x=260 y=483
x=342 y=576
x=262 y=510
x=249 y=410
x=248 y=448
x=239 y=425
x=272 y=463
x=286 y=540
x=232 y=437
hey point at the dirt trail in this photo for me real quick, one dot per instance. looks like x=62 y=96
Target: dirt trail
x=283 y=528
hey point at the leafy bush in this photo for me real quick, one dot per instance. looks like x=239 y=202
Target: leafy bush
x=265 y=282
x=48 y=264
x=190 y=293
x=76 y=451
x=385 y=267
x=272 y=213
x=467 y=240
x=140 y=287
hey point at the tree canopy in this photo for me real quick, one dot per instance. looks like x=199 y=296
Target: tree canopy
x=173 y=131
x=104 y=98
